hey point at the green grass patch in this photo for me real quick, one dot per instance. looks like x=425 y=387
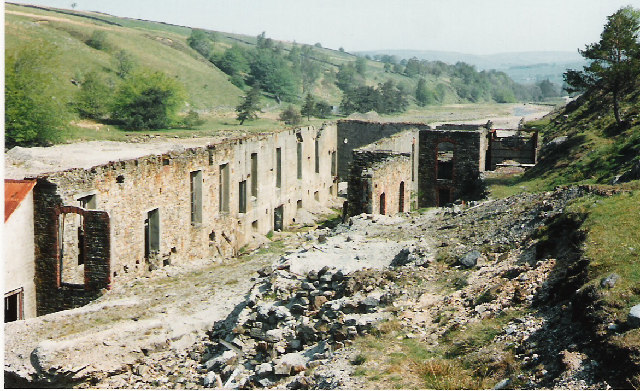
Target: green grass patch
x=613 y=244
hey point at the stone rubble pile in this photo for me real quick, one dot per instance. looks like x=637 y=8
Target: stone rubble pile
x=292 y=323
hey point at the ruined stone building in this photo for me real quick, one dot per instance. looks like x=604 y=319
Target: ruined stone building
x=91 y=226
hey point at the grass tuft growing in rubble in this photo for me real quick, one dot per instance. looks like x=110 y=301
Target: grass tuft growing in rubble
x=459 y=361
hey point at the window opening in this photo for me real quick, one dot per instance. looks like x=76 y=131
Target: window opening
x=444 y=163
x=254 y=175
x=317 y=157
x=195 y=178
x=242 y=197
x=278 y=218
x=152 y=234
x=88 y=202
x=13 y=305
x=71 y=248
x=278 y=167
x=299 y=160
x=224 y=188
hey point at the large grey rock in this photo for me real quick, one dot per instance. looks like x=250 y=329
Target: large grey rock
x=212 y=380
x=281 y=312
x=372 y=300
x=470 y=259
x=610 y=280
x=264 y=369
x=502 y=384
x=221 y=360
x=634 y=316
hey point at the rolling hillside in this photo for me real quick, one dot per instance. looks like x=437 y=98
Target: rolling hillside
x=69 y=38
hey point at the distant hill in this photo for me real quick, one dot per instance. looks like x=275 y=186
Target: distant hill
x=522 y=67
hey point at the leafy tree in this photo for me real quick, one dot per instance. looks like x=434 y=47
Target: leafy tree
x=262 y=42
x=192 y=119
x=94 y=98
x=308 y=108
x=346 y=77
x=614 y=60
x=233 y=61
x=361 y=65
x=547 y=89
x=273 y=74
x=148 y=101
x=237 y=81
x=309 y=68
x=386 y=98
x=98 y=40
x=124 y=64
x=291 y=116
x=322 y=109
x=392 y=98
x=250 y=105
x=33 y=116
x=424 y=96
x=413 y=67
x=200 y=42
x=294 y=54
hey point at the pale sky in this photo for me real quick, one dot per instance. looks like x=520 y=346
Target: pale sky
x=467 y=26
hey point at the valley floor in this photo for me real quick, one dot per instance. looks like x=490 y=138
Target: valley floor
x=461 y=297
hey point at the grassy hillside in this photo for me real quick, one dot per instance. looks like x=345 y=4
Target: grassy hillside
x=158 y=49
x=162 y=47
x=583 y=146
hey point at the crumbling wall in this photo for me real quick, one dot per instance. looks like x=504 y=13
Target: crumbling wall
x=379 y=182
x=355 y=134
x=468 y=160
x=195 y=196
x=52 y=294
x=519 y=146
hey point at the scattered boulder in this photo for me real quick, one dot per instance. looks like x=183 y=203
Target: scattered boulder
x=470 y=259
x=503 y=384
x=609 y=281
x=264 y=369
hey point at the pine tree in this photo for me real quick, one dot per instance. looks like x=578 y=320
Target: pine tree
x=308 y=108
x=250 y=106
x=614 y=60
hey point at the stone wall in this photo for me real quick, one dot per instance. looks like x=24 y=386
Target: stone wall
x=379 y=178
x=355 y=134
x=52 y=293
x=185 y=192
x=521 y=147
x=467 y=161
